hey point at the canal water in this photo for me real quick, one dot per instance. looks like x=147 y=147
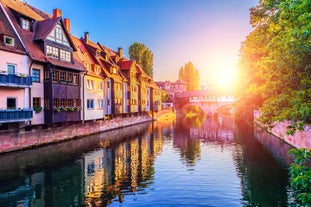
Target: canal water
x=170 y=163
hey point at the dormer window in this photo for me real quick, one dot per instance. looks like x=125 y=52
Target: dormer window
x=52 y=51
x=58 y=35
x=25 y=24
x=8 y=41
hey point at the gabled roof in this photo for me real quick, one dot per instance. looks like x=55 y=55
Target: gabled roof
x=126 y=64
x=6 y=29
x=43 y=28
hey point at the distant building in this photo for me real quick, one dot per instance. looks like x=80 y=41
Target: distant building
x=173 y=88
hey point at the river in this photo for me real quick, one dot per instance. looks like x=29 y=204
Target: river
x=170 y=163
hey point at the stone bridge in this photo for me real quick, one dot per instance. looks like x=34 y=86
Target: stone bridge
x=209 y=101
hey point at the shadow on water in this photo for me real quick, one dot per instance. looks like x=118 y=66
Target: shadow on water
x=263 y=169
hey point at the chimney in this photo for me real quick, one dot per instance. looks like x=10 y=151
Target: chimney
x=57 y=13
x=86 y=37
x=120 y=52
x=67 y=24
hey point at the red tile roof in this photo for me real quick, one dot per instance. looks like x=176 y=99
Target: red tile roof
x=43 y=28
x=126 y=64
x=6 y=29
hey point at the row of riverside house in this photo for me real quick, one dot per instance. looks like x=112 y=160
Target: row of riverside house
x=49 y=76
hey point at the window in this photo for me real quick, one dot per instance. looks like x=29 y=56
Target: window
x=99 y=85
x=62 y=76
x=67 y=56
x=76 y=102
x=90 y=84
x=25 y=24
x=9 y=41
x=55 y=102
x=70 y=102
x=36 y=102
x=55 y=52
x=58 y=35
x=100 y=103
x=62 y=55
x=63 y=102
x=46 y=75
x=11 y=69
x=46 y=104
x=90 y=104
x=11 y=103
x=55 y=76
x=69 y=77
x=75 y=79
x=35 y=75
x=52 y=51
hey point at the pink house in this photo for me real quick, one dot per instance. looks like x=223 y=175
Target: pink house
x=15 y=81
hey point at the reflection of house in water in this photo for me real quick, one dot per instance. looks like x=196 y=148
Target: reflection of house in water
x=30 y=193
x=112 y=172
x=46 y=188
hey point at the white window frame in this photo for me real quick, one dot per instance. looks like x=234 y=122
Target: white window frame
x=8 y=38
x=90 y=104
x=7 y=68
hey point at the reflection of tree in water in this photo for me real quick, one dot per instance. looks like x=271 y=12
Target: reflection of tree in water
x=190 y=150
x=264 y=181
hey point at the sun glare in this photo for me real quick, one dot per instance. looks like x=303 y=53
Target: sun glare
x=224 y=75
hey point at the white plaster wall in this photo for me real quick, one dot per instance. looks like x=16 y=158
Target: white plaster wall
x=96 y=113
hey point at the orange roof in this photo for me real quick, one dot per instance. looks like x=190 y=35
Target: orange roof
x=23 y=8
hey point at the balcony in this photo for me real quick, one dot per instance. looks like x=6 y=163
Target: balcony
x=7 y=116
x=10 y=80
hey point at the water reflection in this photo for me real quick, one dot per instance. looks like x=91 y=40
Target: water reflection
x=158 y=164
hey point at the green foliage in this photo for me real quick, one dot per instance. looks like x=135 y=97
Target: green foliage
x=301 y=175
x=275 y=62
x=190 y=75
x=143 y=57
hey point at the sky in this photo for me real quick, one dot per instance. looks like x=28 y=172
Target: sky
x=206 y=32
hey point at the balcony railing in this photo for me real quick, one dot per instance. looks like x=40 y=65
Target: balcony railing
x=11 y=80
x=7 y=116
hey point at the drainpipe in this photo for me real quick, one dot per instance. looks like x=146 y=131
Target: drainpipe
x=83 y=95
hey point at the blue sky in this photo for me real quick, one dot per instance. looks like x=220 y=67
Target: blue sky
x=206 y=32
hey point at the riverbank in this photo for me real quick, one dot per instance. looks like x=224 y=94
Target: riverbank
x=13 y=141
x=301 y=139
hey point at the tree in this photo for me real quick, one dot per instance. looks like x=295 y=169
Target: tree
x=275 y=58
x=190 y=75
x=143 y=57
x=276 y=64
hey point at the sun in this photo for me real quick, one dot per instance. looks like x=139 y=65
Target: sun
x=224 y=75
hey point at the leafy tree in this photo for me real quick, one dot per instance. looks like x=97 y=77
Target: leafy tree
x=275 y=62
x=275 y=59
x=190 y=75
x=143 y=57
x=301 y=175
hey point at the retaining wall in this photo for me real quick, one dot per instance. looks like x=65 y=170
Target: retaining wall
x=13 y=141
x=301 y=139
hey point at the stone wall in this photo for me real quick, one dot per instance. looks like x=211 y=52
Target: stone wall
x=301 y=139
x=20 y=140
